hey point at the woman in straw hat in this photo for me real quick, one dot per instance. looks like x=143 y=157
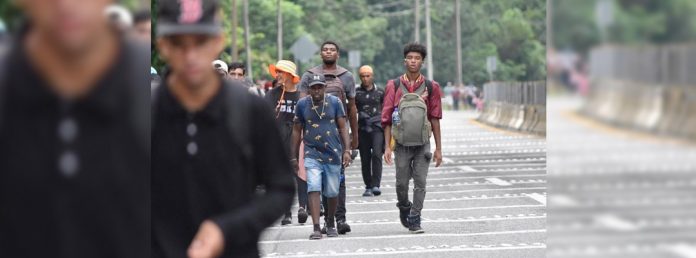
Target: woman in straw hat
x=284 y=97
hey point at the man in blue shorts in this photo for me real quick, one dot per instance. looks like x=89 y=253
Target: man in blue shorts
x=322 y=119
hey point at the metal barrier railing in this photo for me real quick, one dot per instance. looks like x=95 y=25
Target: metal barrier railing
x=517 y=106
x=518 y=93
x=668 y=65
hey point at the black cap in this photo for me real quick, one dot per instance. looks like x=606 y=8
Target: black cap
x=315 y=79
x=176 y=17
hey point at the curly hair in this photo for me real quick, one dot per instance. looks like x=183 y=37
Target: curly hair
x=415 y=47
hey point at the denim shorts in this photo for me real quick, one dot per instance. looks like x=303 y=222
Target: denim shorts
x=318 y=174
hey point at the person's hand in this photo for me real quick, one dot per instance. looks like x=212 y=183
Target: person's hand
x=346 y=159
x=438 y=158
x=209 y=242
x=354 y=142
x=388 y=156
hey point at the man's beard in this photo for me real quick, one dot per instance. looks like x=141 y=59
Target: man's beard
x=329 y=62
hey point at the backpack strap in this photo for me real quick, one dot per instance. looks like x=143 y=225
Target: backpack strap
x=3 y=67
x=397 y=84
x=428 y=86
x=238 y=100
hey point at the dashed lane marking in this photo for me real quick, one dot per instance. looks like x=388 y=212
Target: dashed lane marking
x=538 y=197
x=409 y=236
x=498 y=181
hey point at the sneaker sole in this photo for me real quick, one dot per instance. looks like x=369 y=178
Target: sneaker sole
x=420 y=231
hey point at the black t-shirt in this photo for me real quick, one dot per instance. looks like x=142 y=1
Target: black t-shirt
x=74 y=175
x=284 y=111
x=199 y=172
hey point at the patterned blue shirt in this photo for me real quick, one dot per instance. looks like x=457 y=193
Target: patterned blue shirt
x=321 y=136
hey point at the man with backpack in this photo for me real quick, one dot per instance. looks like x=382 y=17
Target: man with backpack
x=321 y=119
x=283 y=99
x=412 y=109
x=213 y=143
x=341 y=84
x=369 y=100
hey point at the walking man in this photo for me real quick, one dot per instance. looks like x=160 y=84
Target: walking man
x=284 y=98
x=412 y=111
x=212 y=144
x=369 y=100
x=321 y=118
x=339 y=83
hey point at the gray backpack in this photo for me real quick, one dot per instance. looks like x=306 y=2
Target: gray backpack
x=334 y=85
x=414 y=128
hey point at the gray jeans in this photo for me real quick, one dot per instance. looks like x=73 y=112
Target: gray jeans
x=412 y=162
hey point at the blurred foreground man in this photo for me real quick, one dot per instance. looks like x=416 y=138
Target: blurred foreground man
x=74 y=139
x=212 y=144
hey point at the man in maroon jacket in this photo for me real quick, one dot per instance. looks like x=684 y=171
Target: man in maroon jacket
x=412 y=161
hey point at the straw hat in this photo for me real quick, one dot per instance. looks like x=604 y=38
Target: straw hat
x=285 y=66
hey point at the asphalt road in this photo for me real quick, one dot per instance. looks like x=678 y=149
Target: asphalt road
x=488 y=199
x=617 y=192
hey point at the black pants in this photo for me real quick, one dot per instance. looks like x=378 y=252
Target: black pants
x=371 y=151
x=301 y=187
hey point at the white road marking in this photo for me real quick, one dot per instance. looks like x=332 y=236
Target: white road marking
x=498 y=181
x=538 y=197
x=409 y=236
x=614 y=222
x=467 y=168
x=441 y=220
x=683 y=250
x=461 y=191
x=561 y=200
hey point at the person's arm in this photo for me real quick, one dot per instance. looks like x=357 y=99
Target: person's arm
x=387 y=110
x=243 y=225
x=341 y=122
x=438 y=145
x=387 y=142
x=434 y=115
x=349 y=85
x=296 y=138
x=353 y=116
x=303 y=86
x=295 y=141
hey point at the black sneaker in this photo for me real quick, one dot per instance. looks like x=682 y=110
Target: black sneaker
x=323 y=229
x=414 y=224
x=302 y=215
x=376 y=191
x=368 y=193
x=343 y=227
x=331 y=232
x=403 y=213
x=287 y=220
